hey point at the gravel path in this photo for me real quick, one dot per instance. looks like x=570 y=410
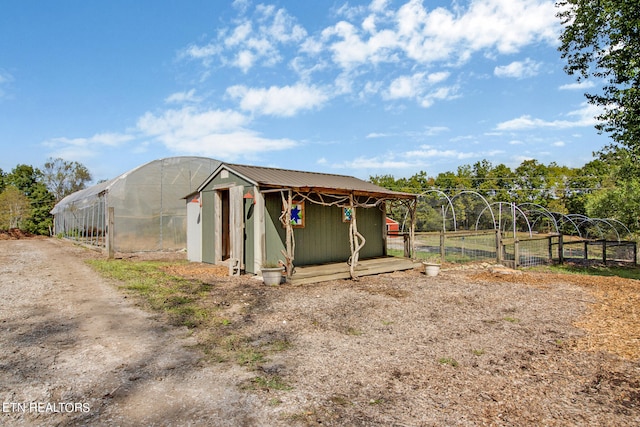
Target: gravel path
x=75 y=351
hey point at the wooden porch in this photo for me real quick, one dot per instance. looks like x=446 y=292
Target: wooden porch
x=367 y=267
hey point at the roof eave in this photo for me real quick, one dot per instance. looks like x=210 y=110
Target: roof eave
x=342 y=191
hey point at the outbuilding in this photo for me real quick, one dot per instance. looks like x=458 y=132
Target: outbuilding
x=252 y=216
x=140 y=210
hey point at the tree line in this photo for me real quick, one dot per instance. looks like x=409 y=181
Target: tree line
x=27 y=193
x=606 y=187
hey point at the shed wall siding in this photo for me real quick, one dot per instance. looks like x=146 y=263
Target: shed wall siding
x=325 y=237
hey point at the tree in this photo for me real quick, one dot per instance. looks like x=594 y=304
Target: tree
x=14 y=208
x=621 y=203
x=618 y=195
x=531 y=183
x=583 y=183
x=28 y=180
x=2 y=180
x=501 y=179
x=63 y=178
x=601 y=39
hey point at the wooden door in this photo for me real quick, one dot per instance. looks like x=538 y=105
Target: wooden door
x=236 y=223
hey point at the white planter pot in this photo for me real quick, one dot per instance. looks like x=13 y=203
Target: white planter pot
x=431 y=269
x=272 y=276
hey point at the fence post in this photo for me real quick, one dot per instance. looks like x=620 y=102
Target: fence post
x=442 y=249
x=604 y=251
x=635 y=254
x=550 y=238
x=498 y=246
x=586 y=251
x=516 y=253
x=110 y=222
x=560 y=249
x=406 y=245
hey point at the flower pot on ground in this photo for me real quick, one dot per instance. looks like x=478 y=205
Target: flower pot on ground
x=272 y=275
x=431 y=269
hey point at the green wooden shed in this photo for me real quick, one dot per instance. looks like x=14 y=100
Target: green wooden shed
x=252 y=216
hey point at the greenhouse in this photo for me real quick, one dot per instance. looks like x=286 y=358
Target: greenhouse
x=145 y=207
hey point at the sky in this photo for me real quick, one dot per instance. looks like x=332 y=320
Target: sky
x=360 y=88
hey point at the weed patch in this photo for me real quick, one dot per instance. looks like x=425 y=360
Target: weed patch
x=448 y=361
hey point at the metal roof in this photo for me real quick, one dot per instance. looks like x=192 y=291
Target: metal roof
x=274 y=178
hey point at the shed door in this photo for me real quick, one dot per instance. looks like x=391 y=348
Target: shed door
x=236 y=223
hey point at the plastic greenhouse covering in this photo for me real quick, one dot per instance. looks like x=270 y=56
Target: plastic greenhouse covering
x=148 y=202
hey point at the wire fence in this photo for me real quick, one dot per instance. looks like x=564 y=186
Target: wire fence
x=522 y=251
x=599 y=251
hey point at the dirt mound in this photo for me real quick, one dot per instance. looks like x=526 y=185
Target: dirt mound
x=14 y=234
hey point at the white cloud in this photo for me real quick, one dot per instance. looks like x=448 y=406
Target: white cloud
x=252 y=41
x=440 y=94
x=241 y=5
x=283 y=101
x=406 y=86
x=215 y=133
x=412 y=159
x=85 y=148
x=428 y=131
x=201 y=52
x=189 y=122
x=428 y=152
x=585 y=84
x=375 y=163
x=182 y=97
x=377 y=135
x=518 y=69
x=239 y=34
x=559 y=144
x=584 y=117
x=419 y=87
x=427 y=36
x=350 y=54
x=438 y=77
x=103 y=139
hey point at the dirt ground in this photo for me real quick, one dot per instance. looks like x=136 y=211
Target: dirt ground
x=472 y=346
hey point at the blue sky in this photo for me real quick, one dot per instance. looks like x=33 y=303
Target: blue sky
x=359 y=88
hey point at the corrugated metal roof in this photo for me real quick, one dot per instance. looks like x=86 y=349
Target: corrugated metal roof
x=312 y=181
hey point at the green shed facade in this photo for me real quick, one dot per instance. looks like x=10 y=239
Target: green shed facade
x=253 y=215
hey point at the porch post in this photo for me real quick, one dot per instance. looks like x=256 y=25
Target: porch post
x=356 y=240
x=412 y=231
x=290 y=240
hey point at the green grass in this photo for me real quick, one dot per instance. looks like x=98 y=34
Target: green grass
x=448 y=361
x=273 y=382
x=624 y=272
x=186 y=302
x=180 y=299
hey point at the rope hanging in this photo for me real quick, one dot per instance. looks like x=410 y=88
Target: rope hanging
x=290 y=242
x=356 y=240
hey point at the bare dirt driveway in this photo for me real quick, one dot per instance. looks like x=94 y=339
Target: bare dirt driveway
x=75 y=351
x=468 y=347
